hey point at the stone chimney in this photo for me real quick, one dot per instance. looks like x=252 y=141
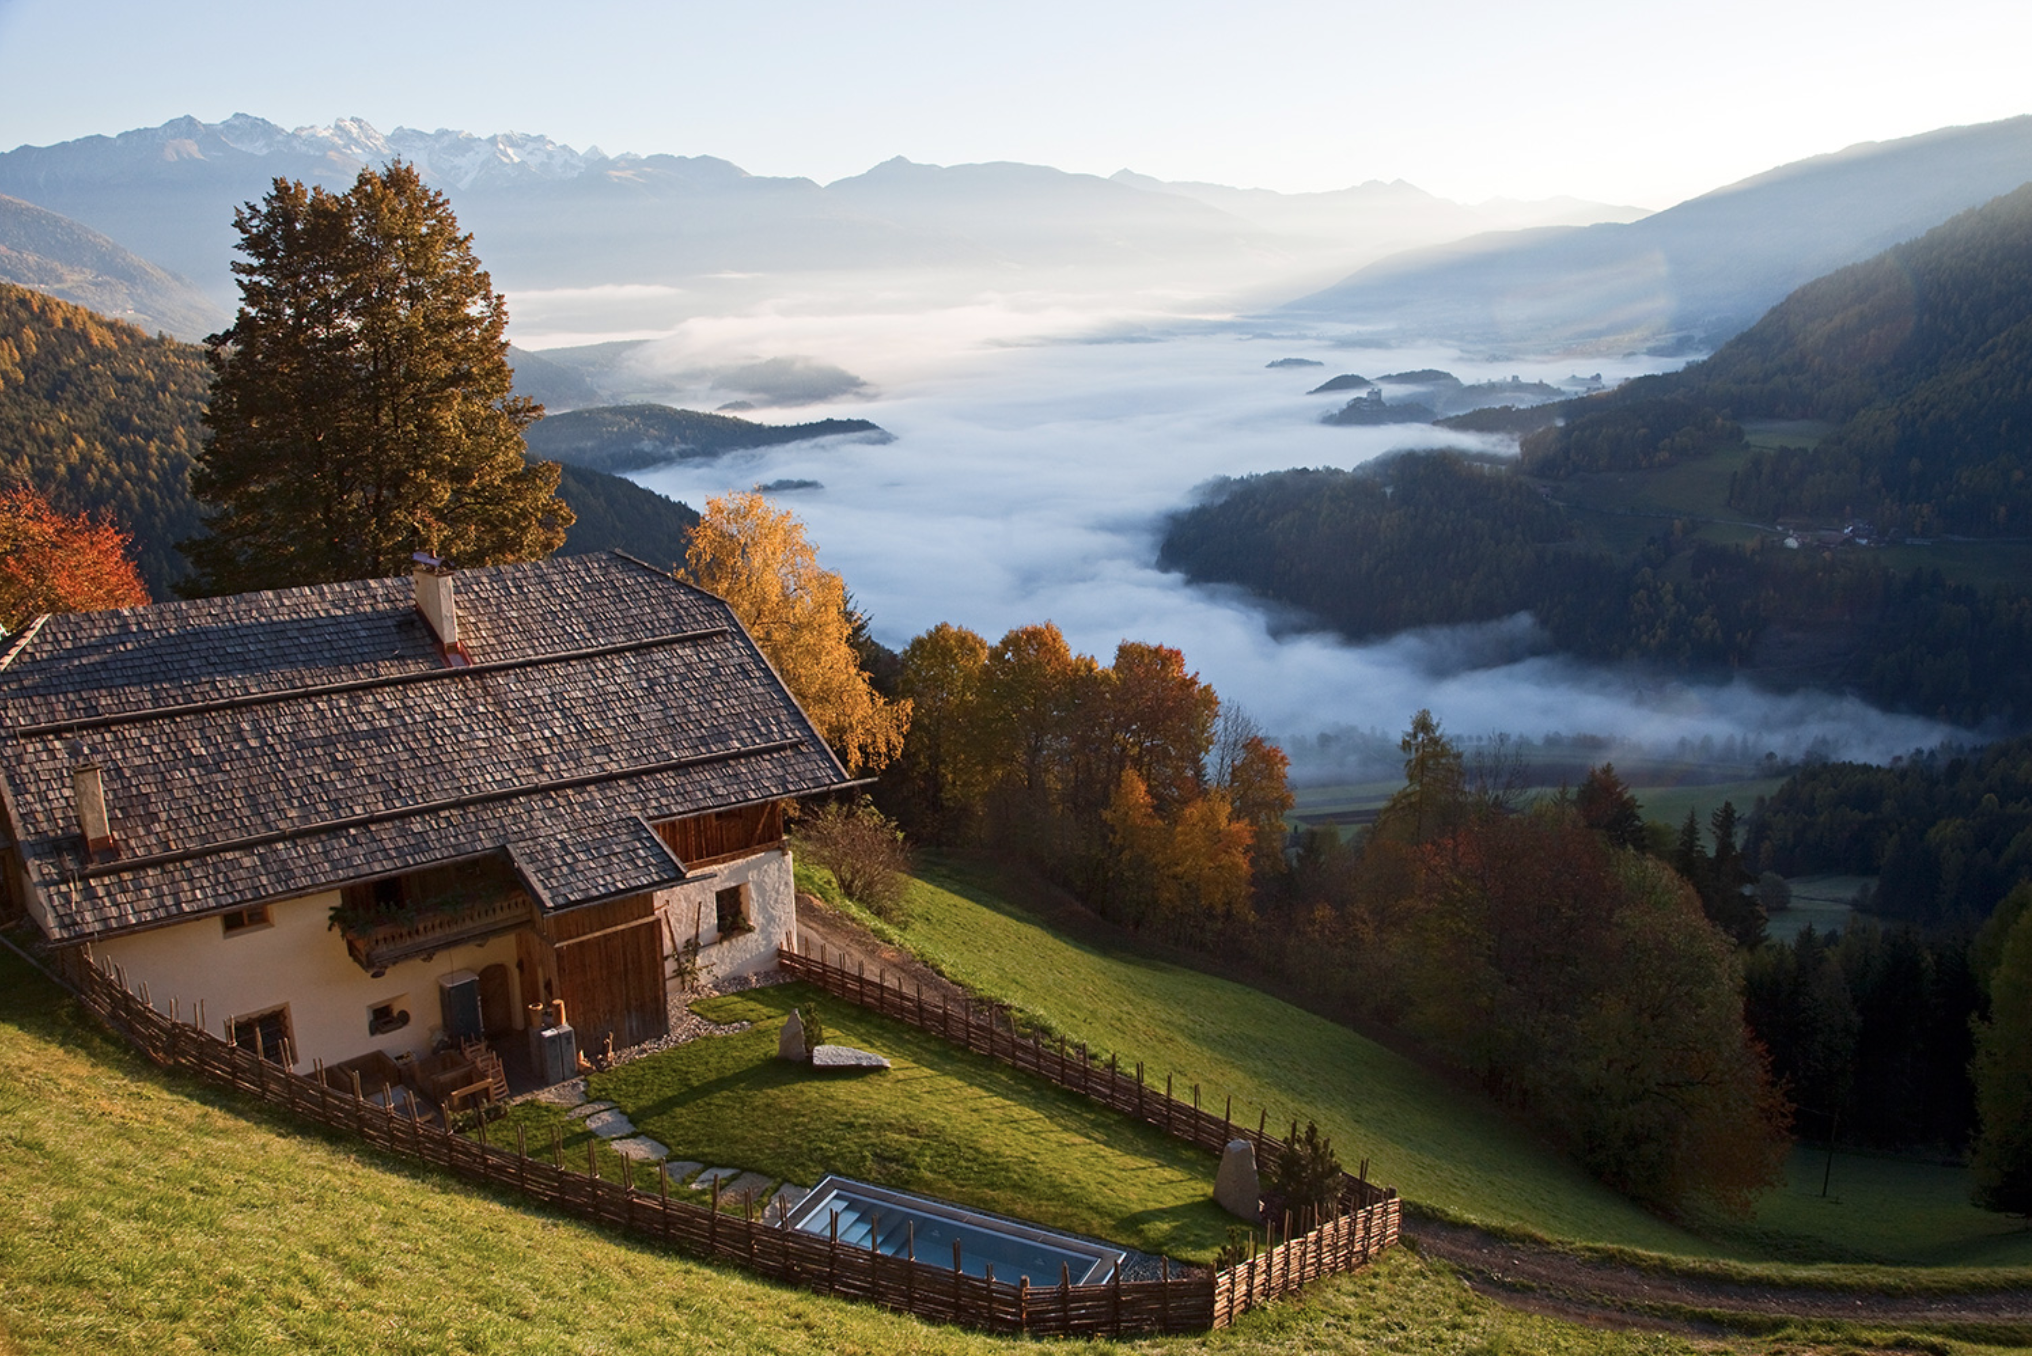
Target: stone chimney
x=435 y=600
x=89 y=786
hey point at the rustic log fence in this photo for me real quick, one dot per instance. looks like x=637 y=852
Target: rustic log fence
x=641 y=1203
x=1366 y=1217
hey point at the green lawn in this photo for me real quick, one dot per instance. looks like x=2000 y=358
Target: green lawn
x=152 y=1215
x=943 y=1121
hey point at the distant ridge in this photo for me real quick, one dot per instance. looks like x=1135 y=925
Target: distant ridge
x=1691 y=276
x=53 y=254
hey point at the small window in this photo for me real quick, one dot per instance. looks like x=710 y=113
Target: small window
x=731 y=907
x=265 y=1033
x=246 y=920
x=383 y=1018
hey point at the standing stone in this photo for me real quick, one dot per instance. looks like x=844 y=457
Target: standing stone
x=1237 y=1188
x=790 y=1045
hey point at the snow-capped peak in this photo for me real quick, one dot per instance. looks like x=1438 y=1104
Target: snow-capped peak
x=446 y=157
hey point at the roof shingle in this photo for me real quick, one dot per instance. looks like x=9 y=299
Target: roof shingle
x=285 y=742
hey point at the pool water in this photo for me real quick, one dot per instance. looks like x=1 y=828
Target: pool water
x=898 y=1223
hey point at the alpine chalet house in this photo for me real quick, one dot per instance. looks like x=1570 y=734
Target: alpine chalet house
x=375 y=824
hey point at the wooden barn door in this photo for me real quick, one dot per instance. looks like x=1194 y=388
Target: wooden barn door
x=609 y=960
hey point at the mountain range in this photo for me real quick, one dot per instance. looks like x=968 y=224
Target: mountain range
x=545 y=215
x=1686 y=278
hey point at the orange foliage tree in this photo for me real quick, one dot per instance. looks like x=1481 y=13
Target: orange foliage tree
x=55 y=562
x=756 y=557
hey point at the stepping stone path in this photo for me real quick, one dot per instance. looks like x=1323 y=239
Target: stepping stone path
x=681 y=1170
x=748 y=1183
x=783 y=1202
x=704 y=1181
x=641 y=1148
x=585 y=1109
x=610 y=1124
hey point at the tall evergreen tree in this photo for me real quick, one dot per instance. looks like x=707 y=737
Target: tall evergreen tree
x=2003 y=1078
x=362 y=405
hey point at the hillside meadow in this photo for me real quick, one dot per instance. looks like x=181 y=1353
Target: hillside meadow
x=150 y=1214
x=1447 y=1150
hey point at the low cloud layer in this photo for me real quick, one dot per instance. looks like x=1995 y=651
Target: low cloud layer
x=1031 y=475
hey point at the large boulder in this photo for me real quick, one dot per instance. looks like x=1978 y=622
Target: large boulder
x=1237 y=1188
x=790 y=1045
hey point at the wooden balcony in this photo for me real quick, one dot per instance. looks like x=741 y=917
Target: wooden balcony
x=428 y=911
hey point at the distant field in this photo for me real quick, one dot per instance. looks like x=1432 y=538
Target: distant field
x=1665 y=790
x=1669 y=804
x=1882 y=1209
x=1624 y=509
x=1772 y=434
x=1822 y=901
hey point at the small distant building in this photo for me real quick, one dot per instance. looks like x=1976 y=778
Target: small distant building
x=379 y=818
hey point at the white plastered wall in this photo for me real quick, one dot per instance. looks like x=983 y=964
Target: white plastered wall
x=772 y=908
x=300 y=962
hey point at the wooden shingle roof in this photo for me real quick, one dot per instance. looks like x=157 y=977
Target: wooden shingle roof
x=276 y=744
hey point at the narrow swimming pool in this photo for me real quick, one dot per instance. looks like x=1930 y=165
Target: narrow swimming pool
x=899 y=1224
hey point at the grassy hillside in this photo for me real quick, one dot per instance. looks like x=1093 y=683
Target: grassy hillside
x=149 y=1214
x=1444 y=1149
x=1448 y=1151
x=943 y=1121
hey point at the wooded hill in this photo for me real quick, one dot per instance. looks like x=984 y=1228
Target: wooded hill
x=99 y=416
x=1430 y=539
x=619 y=438
x=1920 y=358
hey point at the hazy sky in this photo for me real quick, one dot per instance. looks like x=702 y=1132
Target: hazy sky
x=1635 y=101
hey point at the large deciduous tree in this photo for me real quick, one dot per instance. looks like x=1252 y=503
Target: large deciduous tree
x=55 y=562
x=756 y=557
x=362 y=408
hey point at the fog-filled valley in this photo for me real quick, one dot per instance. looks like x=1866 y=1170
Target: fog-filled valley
x=1035 y=457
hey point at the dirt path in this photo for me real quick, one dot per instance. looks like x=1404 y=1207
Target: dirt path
x=819 y=926
x=1547 y=1280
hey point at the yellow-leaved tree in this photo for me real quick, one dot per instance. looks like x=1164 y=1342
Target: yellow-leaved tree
x=756 y=557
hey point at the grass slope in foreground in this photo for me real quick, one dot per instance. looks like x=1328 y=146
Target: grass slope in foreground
x=943 y=1121
x=150 y=1214
x=1445 y=1150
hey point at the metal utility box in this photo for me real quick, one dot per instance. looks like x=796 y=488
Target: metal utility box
x=458 y=996
x=554 y=1050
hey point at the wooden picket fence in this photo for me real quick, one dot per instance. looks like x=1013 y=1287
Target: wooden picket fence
x=642 y=1205
x=1366 y=1218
